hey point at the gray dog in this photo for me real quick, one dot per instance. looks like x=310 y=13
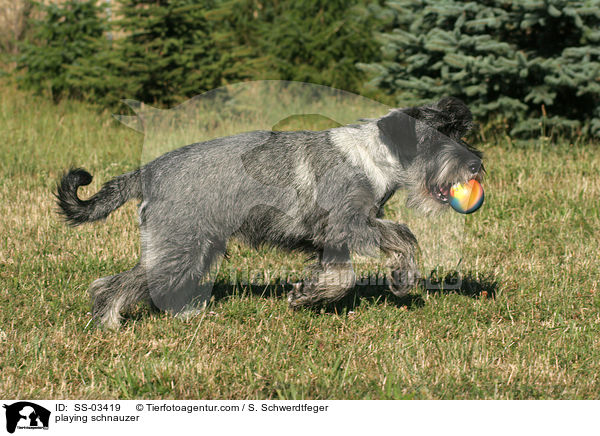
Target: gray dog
x=319 y=192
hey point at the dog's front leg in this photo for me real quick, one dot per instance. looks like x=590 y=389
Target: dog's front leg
x=330 y=280
x=399 y=243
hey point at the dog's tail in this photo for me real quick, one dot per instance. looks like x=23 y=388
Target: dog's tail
x=113 y=195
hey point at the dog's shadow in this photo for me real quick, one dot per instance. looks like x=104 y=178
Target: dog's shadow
x=469 y=285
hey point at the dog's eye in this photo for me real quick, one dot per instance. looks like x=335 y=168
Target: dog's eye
x=475 y=167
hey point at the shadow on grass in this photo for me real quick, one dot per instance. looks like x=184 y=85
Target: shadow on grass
x=374 y=294
x=469 y=285
x=357 y=296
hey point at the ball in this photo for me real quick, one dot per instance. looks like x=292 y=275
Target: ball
x=466 y=197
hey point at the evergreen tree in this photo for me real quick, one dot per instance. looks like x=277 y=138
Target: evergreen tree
x=524 y=63
x=64 y=35
x=317 y=41
x=164 y=51
x=166 y=54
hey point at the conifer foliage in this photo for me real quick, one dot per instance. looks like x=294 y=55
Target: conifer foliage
x=533 y=65
x=316 y=41
x=65 y=35
x=153 y=51
x=163 y=52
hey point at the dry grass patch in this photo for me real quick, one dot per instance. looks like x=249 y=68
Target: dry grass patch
x=531 y=247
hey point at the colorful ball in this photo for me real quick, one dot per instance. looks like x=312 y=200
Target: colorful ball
x=466 y=197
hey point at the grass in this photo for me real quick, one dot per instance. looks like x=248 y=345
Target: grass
x=525 y=323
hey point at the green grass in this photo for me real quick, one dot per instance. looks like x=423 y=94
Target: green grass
x=525 y=324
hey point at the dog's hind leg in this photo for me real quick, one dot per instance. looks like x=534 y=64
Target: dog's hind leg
x=113 y=294
x=179 y=274
x=331 y=279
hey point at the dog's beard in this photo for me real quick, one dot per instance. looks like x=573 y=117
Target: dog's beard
x=422 y=200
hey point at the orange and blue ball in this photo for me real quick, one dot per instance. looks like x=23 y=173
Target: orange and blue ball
x=466 y=197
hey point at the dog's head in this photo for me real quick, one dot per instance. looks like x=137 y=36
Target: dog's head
x=427 y=141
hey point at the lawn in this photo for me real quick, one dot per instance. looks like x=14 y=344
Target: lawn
x=524 y=324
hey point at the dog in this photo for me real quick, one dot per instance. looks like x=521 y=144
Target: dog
x=320 y=192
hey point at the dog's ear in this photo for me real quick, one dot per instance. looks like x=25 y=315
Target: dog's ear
x=449 y=116
x=397 y=131
x=458 y=117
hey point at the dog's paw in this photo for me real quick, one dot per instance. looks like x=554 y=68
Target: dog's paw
x=404 y=274
x=300 y=295
x=323 y=287
x=402 y=282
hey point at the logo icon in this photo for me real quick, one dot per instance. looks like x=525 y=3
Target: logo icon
x=26 y=415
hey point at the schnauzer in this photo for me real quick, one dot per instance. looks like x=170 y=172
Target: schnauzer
x=321 y=192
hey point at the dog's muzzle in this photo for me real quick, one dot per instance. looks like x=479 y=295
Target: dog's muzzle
x=441 y=192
